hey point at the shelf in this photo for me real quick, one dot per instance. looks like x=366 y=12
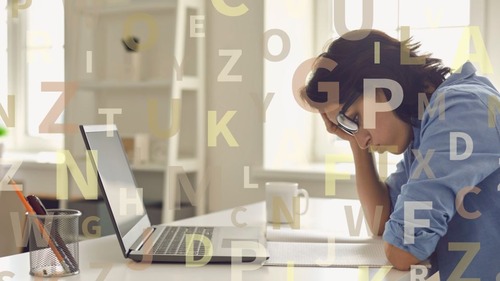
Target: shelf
x=132 y=7
x=101 y=26
x=189 y=166
x=187 y=83
x=190 y=83
x=130 y=85
x=150 y=167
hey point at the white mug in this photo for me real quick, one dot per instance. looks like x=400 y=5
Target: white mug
x=280 y=197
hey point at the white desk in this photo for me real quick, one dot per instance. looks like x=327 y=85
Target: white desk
x=101 y=258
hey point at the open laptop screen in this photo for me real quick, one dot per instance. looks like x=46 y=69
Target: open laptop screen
x=116 y=178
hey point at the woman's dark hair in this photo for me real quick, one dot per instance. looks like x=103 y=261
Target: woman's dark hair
x=355 y=61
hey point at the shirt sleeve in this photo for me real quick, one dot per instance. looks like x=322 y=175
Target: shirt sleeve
x=397 y=179
x=455 y=152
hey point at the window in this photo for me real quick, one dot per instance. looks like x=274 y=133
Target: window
x=295 y=138
x=287 y=128
x=33 y=38
x=4 y=89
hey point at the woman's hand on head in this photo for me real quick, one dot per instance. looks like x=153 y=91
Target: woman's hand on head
x=334 y=129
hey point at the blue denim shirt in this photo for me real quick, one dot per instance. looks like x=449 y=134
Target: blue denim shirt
x=450 y=174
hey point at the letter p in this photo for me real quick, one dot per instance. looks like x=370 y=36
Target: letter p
x=15 y=6
x=371 y=107
x=237 y=264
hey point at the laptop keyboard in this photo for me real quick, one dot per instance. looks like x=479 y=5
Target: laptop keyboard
x=173 y=240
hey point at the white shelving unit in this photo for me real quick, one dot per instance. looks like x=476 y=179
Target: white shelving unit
x=168 y=107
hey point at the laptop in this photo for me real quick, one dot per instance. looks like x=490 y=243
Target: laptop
x=141 y=241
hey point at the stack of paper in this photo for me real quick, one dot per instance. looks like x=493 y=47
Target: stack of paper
x=287 y=234
x=306 y=247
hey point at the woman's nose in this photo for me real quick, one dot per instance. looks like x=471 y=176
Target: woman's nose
x=363 y=138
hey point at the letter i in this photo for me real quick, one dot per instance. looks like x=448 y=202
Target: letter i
x=376 y=52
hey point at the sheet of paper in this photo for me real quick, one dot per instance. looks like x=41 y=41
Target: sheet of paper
x=287 y=234
x=326 y=254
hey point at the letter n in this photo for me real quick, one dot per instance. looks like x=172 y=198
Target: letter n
x=65 y=162
x=9 y=119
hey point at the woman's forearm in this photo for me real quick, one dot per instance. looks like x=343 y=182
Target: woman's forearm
x=373 y=193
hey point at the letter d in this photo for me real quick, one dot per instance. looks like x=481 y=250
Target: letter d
x=207 y=244
x=469 y=146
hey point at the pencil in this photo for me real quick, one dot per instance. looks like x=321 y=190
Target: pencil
x=39 y=209
x=27 y=205
x=45 y=235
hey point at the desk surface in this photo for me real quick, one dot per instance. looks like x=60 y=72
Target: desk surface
x=101 y=258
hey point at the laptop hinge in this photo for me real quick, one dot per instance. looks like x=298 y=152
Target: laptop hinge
x=141 y=240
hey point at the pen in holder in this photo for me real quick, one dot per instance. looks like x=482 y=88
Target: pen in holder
x=53 y=243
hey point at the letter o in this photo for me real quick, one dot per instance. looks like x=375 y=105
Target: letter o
x=9 y=274
x=152 y=27
x=285 y=49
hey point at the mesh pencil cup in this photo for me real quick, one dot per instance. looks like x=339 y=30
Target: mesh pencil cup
x=53 y=243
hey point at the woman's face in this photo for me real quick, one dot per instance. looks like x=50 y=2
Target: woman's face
x=390 y=133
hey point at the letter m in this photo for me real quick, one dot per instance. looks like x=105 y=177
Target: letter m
x=65 y=162
x=423 y=104
x=178 y=178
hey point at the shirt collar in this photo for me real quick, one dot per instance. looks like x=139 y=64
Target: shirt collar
x=415 y=144
x=465 y=71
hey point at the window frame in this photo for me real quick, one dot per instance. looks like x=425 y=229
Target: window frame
x=18 y=139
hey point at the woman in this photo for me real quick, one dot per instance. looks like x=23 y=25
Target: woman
x=443 y=202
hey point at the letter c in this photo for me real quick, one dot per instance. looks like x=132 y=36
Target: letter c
x=229 y=11
x=233 y=216
x=459 y=203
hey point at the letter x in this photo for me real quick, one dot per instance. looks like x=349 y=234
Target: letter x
x=423 y=164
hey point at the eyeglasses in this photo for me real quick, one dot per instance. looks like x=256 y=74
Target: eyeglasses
x=345 y=123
